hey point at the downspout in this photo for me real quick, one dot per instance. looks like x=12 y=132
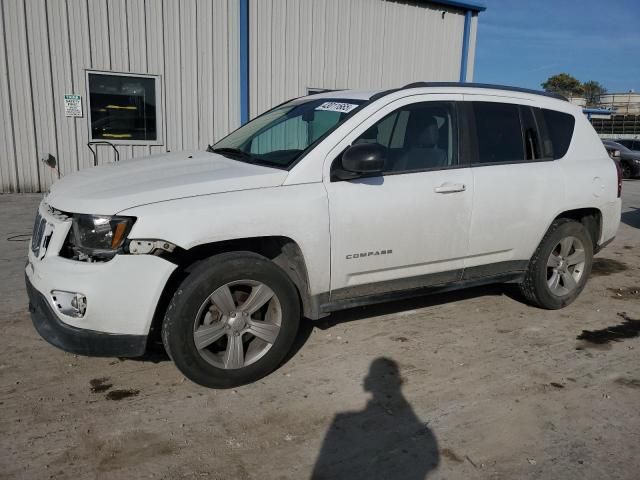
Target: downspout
x=244 y=61
x=465 y=46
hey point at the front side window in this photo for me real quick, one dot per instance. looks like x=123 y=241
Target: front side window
x=123 y=108
x=420 y=136
x=280 y=136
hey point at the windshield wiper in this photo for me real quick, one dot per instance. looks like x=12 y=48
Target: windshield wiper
x=234 y=153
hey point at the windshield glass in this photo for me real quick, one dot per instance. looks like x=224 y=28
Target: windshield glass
x=280 y=136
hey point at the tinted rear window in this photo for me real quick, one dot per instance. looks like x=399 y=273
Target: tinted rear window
x=560 y=130
x=499 y=132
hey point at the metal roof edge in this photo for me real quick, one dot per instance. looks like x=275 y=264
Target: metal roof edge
x=472 y=5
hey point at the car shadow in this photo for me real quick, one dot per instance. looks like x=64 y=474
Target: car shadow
x=384 y=440
x=631 y=218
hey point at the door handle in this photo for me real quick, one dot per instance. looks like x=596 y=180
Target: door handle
x=450 y=188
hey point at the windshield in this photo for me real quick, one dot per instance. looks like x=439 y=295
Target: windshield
x=280 y=136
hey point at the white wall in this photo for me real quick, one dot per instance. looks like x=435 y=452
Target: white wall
x=47 y=45
x=349 y=44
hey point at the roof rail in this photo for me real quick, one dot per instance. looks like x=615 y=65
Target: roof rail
x=485 y=85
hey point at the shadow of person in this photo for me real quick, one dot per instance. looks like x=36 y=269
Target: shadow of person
x=386 y=440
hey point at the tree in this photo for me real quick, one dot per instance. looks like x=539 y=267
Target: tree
x=564 y=84
x=592 y=91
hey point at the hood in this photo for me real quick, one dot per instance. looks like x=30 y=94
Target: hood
x=112 y=188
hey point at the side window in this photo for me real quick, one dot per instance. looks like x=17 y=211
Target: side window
x=560 y=128
x=499 y=133
x=532 y=147
x=420 y=136
x=545 y=138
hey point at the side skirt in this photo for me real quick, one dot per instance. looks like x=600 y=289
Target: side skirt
x=341 y=304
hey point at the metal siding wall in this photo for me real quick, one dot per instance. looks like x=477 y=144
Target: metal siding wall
x=189 y=73
x=46 y=46
x=81 y=55
x=223 y=30
x=205 y=73
x=8 y=173
x=232 y=100
x=155 y=51
x=42 y=95
x=21 y=106
x=348 y=44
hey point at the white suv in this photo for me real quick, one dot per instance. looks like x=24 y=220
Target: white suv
x=323 y=203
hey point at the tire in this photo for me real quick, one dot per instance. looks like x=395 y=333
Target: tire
x=626 y=170
x=201 y=309
x=544 y=289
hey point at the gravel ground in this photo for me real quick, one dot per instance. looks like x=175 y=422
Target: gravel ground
x=472 y=384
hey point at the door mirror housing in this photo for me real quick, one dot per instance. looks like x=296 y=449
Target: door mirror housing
x=616 y=153
x=364 y=158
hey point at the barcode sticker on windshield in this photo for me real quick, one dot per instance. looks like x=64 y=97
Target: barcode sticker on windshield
x=337 y=107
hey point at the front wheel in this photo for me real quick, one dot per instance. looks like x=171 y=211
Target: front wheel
x=232 y=321
x=560 y=266
x=625 y=170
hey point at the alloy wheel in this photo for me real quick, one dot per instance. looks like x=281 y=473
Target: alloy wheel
x=565 y=266
x=237 y=324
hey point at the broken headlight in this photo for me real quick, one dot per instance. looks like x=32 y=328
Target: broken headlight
x=98 y=236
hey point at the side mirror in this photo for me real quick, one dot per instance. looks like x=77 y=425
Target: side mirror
x=616 y=153
x=364 y=158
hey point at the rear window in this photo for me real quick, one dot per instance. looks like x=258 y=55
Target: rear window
x=559 y=127
x=499 y=132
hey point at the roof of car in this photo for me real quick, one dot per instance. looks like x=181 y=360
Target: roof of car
x=458 y=86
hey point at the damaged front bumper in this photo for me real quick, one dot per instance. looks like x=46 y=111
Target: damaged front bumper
x=79 y=340
x=91 y=308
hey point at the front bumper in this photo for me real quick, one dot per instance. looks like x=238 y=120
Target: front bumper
x=79 y=340
x=121 y=295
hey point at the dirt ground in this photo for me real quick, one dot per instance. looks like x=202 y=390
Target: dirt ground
x=473 y=384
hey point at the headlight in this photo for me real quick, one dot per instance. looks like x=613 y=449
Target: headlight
x=99 y=236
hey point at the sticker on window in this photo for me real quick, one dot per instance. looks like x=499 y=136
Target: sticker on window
x=337 y=107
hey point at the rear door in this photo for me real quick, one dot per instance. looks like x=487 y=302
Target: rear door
x=516 y=184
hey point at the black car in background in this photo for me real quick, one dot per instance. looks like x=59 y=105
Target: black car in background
x=628 y=160
x=631 y=144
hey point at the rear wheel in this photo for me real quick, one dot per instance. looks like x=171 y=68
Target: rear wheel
x=560 y=266
x=232 y=321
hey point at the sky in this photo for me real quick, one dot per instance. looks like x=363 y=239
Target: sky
x=523 y=42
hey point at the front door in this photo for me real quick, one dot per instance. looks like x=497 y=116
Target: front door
x=408 y=227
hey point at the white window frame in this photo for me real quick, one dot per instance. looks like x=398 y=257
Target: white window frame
x=159 y=108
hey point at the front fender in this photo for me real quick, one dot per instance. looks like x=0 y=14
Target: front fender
x=299 y=212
